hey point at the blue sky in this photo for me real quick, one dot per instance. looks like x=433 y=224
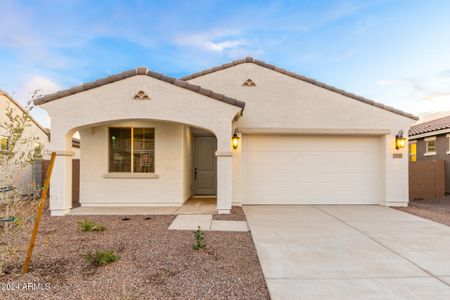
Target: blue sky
x=395 y=52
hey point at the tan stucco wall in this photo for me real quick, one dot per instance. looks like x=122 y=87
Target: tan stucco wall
x=282 y=102
x=170 y=164
x=25 y=178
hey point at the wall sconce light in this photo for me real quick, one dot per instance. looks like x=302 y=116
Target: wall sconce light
x=235 y=140
x=400 y=141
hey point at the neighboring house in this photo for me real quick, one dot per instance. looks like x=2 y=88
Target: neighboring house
x=27 y=177
x=152 y=140
x=431 y=141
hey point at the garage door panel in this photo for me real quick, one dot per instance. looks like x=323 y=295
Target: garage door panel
x=331 y=144
x=304 y=170
x=311 y=160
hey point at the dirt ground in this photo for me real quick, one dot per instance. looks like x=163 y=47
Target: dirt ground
x=435 y=210
x=154 y=263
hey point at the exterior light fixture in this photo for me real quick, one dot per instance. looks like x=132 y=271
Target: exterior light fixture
x=400 y=141
x=235 y=140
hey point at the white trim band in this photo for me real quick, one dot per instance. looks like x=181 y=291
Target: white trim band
x=224 y=153
x=64 y=152
x=131 y=175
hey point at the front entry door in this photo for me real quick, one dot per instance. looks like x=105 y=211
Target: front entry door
x=205 y=165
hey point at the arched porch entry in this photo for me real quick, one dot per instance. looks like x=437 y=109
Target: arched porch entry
x=167 y=117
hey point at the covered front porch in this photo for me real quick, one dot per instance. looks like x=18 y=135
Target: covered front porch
x=147 y=144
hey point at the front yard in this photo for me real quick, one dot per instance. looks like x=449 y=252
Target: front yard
x=435 y=210
x=154 y=263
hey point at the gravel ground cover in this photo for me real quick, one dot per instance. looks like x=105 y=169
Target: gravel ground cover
x=236 y=214
x=154 y=263
x=435 y=210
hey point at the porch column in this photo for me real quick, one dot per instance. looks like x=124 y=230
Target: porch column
x=396 y=192
x=61 y=184
x=61 y=180
x=224 y=177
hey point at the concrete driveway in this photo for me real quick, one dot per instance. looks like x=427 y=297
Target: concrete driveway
x=350 y=252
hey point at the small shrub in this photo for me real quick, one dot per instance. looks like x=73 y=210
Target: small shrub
x=199 y=237
x=90 y=226
x=100 y=258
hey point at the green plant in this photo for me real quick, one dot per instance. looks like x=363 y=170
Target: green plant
x=90 y=226
x=199 y=237
x=100 y=258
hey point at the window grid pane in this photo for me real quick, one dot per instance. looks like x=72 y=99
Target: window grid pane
x=120 y=150
x=431 y=146
x=144 y=150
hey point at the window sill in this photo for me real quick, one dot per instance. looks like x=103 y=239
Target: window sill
x=131 y=175
x=429 y=154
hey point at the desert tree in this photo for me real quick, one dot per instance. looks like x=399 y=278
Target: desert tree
x=18 y=149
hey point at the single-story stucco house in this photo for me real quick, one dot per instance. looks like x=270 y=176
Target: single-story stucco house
x=152 y=140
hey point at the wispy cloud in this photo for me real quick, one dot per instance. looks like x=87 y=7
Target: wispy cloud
x=215 y=41
x=434 y=87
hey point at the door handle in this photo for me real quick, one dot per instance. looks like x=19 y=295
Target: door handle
x=195 y=173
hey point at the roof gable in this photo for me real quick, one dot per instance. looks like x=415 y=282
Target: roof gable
x=299 y=77
x=134 y=72
x=11 y=99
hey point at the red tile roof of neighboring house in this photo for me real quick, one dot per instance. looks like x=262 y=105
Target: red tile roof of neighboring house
x=140 y=71
x=430 y=126
x=300 y=77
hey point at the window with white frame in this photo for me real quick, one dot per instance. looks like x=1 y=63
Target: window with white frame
x=132 y=150
x=4 y=143
x=430 y=146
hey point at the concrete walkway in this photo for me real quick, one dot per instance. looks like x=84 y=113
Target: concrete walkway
x=206 y=223
x=350 y=252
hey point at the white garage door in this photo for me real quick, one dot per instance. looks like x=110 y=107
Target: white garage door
x=311 y=170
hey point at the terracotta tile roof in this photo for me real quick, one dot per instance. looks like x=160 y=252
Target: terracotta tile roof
x=45 y=130
x=430 y=126
x=134 y=72
x=300 y=77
